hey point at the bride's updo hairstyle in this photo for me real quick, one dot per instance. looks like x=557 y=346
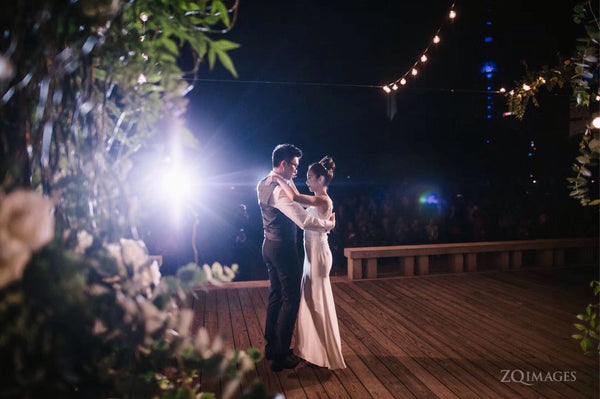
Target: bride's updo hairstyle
x=325 y=168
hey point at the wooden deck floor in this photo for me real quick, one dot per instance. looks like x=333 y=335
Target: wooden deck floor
x=437 y=336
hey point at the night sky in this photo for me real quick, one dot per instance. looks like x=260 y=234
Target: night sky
x=321 y=58
x=308 y=75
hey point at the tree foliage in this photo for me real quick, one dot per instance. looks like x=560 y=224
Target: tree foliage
x=85 y=85
x=580 y=75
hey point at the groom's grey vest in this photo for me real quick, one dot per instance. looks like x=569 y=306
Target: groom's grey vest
x=276 y=225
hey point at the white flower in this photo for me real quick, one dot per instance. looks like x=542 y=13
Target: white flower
x=149 y=275
x=153 y=317
x=26 y=225
x=134 y=253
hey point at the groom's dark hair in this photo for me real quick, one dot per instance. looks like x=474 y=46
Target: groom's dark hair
x=285 y=152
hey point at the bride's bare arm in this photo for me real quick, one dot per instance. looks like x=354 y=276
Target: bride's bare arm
x=292 y=192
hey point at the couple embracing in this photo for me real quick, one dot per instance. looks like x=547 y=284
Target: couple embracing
x=300 y=300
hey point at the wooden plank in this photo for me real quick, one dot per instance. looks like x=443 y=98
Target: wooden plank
x=212 y=328
x=408 y=266
x=544 y=257
x=357 y=338
x=456 y=263
x=472 y=347
x=410 y=320
x=516 y=259
x=371 y=267
x=464 y=247
x=433 y=336
x=471 y=262
x=396 y=357
x=507 y=351
x=423 y=265
x=435 y=361
x=254 y=314
x=533 y=350
x=354 y=268
x=289 y=380
x=241 y=336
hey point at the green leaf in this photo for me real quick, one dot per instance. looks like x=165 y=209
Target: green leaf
x=222 y=10
x=225 y=44
x=170 y=45
x=211 y=57
x=227 y=63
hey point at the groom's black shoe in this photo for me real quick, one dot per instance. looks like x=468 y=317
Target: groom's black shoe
x=289 y=361
x=269 y=353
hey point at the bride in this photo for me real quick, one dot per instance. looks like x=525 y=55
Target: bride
x=317 y=332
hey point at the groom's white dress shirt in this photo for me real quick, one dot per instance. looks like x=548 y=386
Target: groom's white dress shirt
x=296 y=212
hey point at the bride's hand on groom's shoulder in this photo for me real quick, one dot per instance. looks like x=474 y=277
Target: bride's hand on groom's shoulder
x=271 y=179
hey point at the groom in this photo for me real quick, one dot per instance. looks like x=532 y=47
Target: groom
x=280 y=216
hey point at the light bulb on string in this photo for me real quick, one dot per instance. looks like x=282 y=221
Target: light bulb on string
x=422 y=58
x=143 y=18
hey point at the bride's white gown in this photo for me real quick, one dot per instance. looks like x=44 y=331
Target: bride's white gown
x=317 y=333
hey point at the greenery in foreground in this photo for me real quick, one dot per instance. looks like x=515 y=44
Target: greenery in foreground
x=85 y=86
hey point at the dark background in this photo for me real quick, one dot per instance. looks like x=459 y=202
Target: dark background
x=309 y=74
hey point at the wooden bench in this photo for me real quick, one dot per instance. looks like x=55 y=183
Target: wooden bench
x=362 y=261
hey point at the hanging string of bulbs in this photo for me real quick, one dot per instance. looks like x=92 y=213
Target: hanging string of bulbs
x=414 y=69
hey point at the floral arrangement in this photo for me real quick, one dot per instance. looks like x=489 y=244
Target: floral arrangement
x=86 y=86
x=92 y=319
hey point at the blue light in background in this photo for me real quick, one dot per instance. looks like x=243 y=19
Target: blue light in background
x=429 y=199
x=488 y=67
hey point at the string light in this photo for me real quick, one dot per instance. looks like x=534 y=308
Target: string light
x=144 y=19
x=413 y=70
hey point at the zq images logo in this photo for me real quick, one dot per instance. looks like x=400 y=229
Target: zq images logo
x=529 y=378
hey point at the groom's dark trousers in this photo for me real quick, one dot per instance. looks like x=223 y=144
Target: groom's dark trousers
x=285 y=273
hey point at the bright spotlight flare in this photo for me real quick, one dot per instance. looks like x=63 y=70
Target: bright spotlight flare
x=175 y=187
x=175 y=184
